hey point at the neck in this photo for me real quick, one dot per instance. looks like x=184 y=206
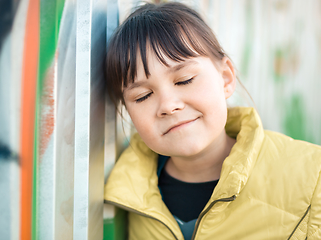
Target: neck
x=204 y=167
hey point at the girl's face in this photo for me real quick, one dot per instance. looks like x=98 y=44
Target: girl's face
x=180 y=110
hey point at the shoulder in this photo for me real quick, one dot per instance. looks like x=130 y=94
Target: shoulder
x=289 y=167
x=289 y=161
x=290 y=171
x=292 y=150
x=135 y=159
x=136 y=151
x=133 y=166
x=299 y=161
x=294 y=167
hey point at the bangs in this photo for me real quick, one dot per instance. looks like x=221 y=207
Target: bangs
x=164 y=38
x=172 y=31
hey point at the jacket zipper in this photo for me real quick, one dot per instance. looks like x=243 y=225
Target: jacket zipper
x=229 y=199
x=139 y=213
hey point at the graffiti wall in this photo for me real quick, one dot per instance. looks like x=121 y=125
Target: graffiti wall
x=53 y=119
x=59 y=133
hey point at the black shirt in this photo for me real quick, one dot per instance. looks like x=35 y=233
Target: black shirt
x=183 y=199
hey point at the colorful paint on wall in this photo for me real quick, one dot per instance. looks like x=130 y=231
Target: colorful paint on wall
x=29 y=87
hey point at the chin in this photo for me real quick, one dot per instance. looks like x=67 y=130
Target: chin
x=186 y=151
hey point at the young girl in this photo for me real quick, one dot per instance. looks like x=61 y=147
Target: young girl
x=196 y=169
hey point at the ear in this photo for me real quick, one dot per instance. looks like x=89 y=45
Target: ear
x=228 y=74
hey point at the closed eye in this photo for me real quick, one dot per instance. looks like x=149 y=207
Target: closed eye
x=143 y=98
x=185 y=82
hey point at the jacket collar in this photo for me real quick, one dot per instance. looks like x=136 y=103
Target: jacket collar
x=245 y=125
x=133 y=183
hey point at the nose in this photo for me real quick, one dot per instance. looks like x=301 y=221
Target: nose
x=169 y=104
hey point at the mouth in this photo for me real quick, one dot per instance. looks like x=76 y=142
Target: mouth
x=179 y=125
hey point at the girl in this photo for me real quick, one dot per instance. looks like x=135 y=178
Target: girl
x=196 y=169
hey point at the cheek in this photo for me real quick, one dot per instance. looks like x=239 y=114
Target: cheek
x=135 y=117
x=212 y=103
x=210 y=98
x=142 y=123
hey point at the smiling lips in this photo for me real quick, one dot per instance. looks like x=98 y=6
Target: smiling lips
x=179 y=125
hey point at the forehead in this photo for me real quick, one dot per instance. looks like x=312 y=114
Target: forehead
x=169 y=46
x=152 y=55
x=171 y=65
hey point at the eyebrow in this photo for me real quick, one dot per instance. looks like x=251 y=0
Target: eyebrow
x=175 y=68
x=184 y=64
x=135 y=85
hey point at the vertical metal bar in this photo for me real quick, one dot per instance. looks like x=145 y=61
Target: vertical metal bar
x=110 y=124
x=110 y=127
x=65 y=124
x=97 y=121
x=112 y=17
x=82 y=120
x=89 y=120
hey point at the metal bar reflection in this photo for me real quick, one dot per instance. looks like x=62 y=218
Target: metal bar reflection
x=89 y=120
x=82 y=120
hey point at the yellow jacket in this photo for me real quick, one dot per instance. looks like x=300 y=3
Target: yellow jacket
x=269 y=188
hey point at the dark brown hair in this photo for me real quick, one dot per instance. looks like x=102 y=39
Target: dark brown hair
x=170 y=29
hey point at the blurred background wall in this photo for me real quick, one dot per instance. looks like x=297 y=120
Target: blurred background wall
x=59 y=134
